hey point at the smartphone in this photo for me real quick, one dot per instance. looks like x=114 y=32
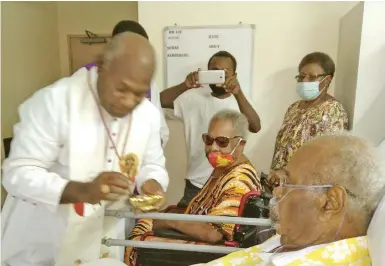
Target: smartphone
x=211 y=77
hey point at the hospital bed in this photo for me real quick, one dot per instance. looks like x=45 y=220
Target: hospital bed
x=253 y=219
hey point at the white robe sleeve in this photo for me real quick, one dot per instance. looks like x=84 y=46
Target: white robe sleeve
x=35 y=148
x=164 y=131
x=153 y=166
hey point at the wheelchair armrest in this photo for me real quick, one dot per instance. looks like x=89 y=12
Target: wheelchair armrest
x=172 y=234
x=253 y=205
x=248 y=235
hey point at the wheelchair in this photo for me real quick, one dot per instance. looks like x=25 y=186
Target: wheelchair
x=253 y=205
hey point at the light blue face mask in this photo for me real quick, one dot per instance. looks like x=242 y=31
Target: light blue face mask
x=309 y=91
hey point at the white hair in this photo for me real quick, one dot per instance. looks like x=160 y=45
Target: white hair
x=357 y=166
x=238 y=120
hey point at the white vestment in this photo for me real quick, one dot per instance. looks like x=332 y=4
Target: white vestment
x=61 y=137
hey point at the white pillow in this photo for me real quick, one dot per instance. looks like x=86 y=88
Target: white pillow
x=382 y=147
x=376 y=236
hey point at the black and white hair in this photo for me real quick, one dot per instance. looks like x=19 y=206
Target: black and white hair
x=129 y=26
x=226 y=55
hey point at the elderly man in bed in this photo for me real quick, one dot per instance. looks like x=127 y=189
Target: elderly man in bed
x=325 y=200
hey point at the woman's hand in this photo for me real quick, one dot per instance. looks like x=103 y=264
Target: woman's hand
x=273 y=179
x=203 y=232
x=214 y=237
x=161 y=224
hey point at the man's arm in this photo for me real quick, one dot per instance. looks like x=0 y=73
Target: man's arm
x=35 y=148
x=232 y=85
x=168 y=96
x=153 y=167
x=247 y=109
x=164 y=131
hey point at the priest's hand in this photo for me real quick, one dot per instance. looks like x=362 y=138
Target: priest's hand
x=152 y=187
x=106 y=186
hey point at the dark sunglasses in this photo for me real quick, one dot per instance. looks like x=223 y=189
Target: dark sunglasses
x=221 y=141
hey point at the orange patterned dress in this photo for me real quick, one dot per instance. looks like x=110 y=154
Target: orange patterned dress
x=220 y=197
x=301 y=125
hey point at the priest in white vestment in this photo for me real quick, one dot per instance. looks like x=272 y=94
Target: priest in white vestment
x=81 y=146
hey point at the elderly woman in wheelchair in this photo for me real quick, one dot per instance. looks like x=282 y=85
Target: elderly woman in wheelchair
x=325 y=201
x=232 y=178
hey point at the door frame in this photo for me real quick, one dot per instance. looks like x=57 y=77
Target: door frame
x=78 y=36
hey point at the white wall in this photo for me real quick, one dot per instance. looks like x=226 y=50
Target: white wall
x=382 y=147
x=369 y=113
x=348 y=59
x=285 y=32
x=3 y=193
x=30 y=54
x=1 y=142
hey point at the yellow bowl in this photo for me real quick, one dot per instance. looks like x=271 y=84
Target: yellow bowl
x=145 y=202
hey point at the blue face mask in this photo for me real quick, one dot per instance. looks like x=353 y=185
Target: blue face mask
x=310 y=90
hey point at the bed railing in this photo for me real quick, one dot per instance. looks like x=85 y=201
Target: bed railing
x=180 y=217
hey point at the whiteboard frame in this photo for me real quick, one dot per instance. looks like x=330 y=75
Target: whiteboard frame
x=240 y=25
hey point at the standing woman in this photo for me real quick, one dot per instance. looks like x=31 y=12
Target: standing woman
x=317 y=113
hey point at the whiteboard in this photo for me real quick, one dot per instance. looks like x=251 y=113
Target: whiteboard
x=186 y=49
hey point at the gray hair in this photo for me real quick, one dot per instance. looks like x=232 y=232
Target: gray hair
x=358 y=167
x=117 y=47
x=238 y=120
x=114 y=48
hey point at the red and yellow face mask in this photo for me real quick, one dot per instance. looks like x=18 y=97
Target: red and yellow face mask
x=222 y=160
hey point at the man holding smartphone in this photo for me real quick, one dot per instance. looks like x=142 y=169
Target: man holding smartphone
x=195 y=105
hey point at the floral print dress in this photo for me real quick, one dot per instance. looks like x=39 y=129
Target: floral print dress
x=301 y=125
